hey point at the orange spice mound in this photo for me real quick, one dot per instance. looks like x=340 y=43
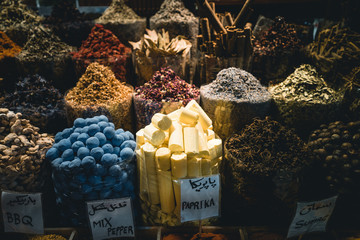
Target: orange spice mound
x=7 y=47
x=204 y=236
x=98 y=86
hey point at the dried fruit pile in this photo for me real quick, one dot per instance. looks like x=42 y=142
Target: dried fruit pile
x=276 y=52
x=337 y=148
x=165 y=92
x=104 y=47
x=99 y=92
x=304 y=100
x=91 y=161
x=22 y=152
x=39 y=102
x=233 y=99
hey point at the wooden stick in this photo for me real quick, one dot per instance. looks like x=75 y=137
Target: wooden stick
x=205 y=28
x=212 y=4
x=229 y=19
x=215 y=22
x=238 y=20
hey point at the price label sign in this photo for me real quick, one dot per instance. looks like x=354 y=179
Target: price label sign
x=311 y=217
x=112 y=218
x=22 y=212
x=199 y=198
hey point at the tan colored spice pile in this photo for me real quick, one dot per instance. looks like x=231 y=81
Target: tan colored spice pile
x=48 y=237
x=98 y=86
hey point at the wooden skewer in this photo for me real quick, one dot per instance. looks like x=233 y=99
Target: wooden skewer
x=215 y=22
x=229 y=19
x=239 y=19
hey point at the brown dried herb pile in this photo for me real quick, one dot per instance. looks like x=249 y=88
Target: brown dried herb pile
x=336 y=148
x=336 y=51
x=279 y=37
x=39 y=102
x=264 y=147
x=98 y=86
x=15 y=12
x=7 y=47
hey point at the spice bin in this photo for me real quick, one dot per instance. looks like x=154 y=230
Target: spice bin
x=178 y=145
x=99 y=92
x=233 y=99
x=103 y=47
x=165 y=93
x=123 y=21
x=91 y=161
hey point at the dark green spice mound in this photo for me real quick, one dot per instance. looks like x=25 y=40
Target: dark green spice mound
x=266 y=146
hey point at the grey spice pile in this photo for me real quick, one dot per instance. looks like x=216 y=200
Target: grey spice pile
x=22 y=152
x=305 y=96
x=336 y=148
x=118 y=11
x=234 y=84
x=175 y=18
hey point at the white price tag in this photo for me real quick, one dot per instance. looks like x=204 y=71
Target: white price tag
x=311 y=217
x=22 y=212
x=200 y=198
x=112 y=218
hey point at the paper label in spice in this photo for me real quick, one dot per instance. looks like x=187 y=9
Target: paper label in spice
x=22 y=212
x=200 y=198
x=112 y=218
x=311 y=216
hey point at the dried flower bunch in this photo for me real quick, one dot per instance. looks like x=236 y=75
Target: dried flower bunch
x=167 y=86
x=155 y=44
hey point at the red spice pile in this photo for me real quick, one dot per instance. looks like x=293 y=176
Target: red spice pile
x=101 y=43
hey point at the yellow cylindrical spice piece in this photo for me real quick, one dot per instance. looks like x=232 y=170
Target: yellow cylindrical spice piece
x=189 y=117
x=179 y=165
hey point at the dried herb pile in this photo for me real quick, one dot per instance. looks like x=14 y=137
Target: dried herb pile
x=352 y=93
x=15 y=12
x=98 y=86
x=335 y=52
x=101 y=43
x=39 y=102
x=22 y=152
x=44 y=46
x=234 y=84
x=336 y=148
x=278 y=38
x=7 y=47
x=166 y=85
x=264 y=147
x=118 y=11
x=64 y=11
x=305 y=98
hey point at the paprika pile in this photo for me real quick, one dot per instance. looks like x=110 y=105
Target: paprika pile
x=104 y=47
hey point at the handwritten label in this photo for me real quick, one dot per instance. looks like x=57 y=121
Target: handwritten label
x=22 y=212
x=311 y=217
x=111 y=218
x=200 y=198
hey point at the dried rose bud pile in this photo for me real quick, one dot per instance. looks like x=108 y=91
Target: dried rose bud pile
x=22 y=152
x=166 y=85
